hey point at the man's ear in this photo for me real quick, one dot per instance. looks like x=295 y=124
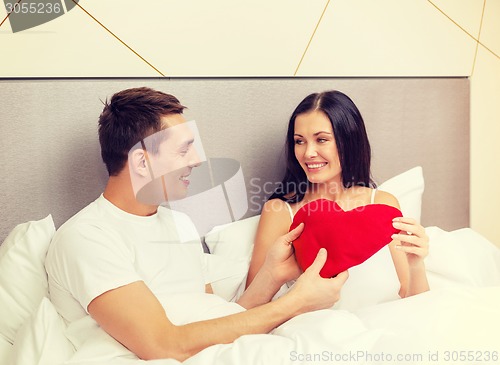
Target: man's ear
x=139 y=163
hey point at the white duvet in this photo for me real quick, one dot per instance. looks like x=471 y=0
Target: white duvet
x=458 y=321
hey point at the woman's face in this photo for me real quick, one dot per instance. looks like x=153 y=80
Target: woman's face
x=315 y=147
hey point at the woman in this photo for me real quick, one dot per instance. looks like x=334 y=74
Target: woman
x=328 y=156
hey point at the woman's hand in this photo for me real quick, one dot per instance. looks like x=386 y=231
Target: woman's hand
x=280 y=259
x=414 y=240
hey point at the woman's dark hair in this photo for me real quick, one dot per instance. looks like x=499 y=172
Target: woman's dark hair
x=351 y=139
x=130 y=116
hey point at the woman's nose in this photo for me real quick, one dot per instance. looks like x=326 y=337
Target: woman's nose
x=311 y=150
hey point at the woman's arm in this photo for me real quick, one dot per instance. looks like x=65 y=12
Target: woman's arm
x=408 y=251
x=274 y=222
x=415 y=245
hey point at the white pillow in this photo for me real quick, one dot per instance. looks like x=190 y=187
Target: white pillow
x=234 y=240
x=41 y=339
x=231 y=246
x=408 y=188
x=23 y=280
x=227 y=276
x=461 y=257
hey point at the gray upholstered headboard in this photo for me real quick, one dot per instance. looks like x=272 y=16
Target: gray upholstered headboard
x=51 y=162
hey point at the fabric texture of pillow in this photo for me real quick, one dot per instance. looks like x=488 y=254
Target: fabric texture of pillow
x=41 y=339
x=23 y=280
x=408 y=188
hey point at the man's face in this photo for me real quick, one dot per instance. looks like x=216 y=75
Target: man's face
x=170 y=156
x=176 y=157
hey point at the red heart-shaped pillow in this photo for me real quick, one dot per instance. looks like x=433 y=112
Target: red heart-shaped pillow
x=350 y=237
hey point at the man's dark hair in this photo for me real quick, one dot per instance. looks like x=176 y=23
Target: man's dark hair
x=130 y=116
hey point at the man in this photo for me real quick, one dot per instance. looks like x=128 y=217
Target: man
x=128 y=262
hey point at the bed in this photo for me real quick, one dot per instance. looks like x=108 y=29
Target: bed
x=419 y=134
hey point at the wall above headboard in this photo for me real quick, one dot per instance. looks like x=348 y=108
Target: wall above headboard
x=51 y=160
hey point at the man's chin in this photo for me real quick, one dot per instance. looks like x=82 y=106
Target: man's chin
x=180 y=193
x=156 y=194
x=176 y=197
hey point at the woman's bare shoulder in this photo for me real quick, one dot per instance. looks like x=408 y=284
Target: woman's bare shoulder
x=383 y=197
x=274 y=219
x=274 y=206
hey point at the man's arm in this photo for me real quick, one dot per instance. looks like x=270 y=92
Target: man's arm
x=134 y=317
x=278 y=267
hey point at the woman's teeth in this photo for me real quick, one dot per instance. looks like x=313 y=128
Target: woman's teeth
x=316 y=165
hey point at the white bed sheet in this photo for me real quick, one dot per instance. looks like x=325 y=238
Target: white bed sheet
x=459 y=317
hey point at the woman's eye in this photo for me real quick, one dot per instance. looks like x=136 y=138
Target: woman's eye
x=299 y=141
x=322 y=140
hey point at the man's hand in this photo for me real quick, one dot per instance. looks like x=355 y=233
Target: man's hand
x=310 y=292
x=315 y=292
x=280 y=259
x=278 y=268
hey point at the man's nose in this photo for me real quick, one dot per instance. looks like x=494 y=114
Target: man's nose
x=194 y=158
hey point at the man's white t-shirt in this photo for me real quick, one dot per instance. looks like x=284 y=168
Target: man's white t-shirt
x=103 y=247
